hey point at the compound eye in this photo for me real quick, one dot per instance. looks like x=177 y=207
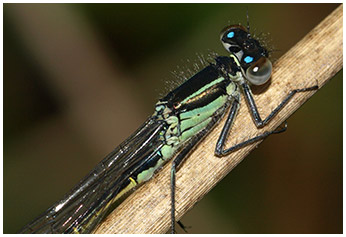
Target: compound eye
x=259 y=72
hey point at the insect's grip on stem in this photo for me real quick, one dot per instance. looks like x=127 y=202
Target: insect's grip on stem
x=148 y=209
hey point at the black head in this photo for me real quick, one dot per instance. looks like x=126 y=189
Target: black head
x=251 y=56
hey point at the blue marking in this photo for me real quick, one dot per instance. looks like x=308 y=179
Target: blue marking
x=248 y=59
x=230 y=34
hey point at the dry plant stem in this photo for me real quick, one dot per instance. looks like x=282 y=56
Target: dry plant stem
x=314 y=60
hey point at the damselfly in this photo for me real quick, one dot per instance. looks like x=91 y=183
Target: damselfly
x=181 y=120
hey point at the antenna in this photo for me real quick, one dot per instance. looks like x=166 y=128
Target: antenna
x=247 y=21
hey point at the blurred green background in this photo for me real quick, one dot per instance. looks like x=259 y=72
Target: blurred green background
x=80 y=78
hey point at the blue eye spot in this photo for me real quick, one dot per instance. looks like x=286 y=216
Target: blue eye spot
x=248 y=59
x=230 y=34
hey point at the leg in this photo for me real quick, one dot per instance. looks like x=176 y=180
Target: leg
x=250 y=141
x=178 y=161
x=175 y=165
x=220 y=151
x=253 y=108
x=183 y=154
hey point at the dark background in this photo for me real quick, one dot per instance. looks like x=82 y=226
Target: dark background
x=80 y=78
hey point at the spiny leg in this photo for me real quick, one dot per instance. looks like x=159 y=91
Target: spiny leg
x=220 y=151
x=175 y=165
x=253 y=108
x=251 y=140
x=177 y=162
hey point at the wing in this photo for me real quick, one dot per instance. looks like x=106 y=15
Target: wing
x=84 y=206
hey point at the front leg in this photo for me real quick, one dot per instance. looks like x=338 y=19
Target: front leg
x=253 y=108
x=219 y=149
